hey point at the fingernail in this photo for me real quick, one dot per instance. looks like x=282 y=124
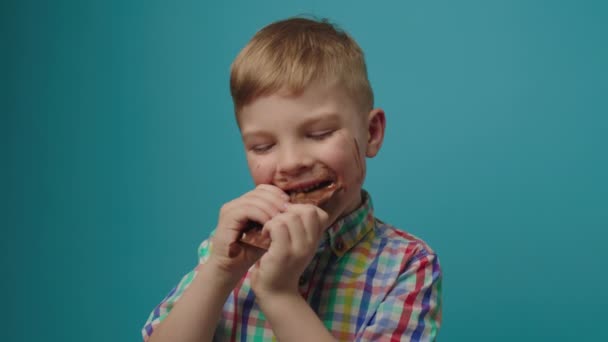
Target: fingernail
x=286 y=205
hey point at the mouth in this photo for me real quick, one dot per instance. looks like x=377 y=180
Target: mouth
x=316 y=192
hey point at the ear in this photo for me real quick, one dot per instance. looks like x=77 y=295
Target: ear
x=376 y=123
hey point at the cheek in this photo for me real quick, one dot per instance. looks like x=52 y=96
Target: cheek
x=336 y=159
x=345 y=158
x=261 y=170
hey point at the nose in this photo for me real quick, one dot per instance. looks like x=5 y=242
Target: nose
x=293 y=159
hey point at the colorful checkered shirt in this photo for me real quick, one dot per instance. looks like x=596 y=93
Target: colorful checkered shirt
x=367 y=281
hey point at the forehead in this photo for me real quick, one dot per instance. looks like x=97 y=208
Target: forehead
x=316 y=103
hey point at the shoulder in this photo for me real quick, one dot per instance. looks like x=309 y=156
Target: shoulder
x=398 y=241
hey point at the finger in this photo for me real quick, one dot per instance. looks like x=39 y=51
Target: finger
x=279 y=236
x=273 y=190
x=298 y=235
x=249 y=212
x=276 y=199
x=234 y=208
x=272 y=208
x=313 y=219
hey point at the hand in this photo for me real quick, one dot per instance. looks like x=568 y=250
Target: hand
x=230 y=257
x=295 y=236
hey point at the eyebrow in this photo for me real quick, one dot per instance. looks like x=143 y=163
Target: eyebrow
x=248 y=135
x=330 y=117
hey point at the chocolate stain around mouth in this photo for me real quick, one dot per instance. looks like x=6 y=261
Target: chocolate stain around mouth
x=252 y=233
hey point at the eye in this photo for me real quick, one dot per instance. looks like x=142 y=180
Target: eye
x=260 y=149
x=320 y=135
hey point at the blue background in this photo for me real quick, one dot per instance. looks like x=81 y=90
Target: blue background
x=119 y=146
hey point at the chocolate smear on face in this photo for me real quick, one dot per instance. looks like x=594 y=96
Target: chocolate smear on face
x=358 y=161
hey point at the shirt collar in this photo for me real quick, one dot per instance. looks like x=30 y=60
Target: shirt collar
x=349 y=230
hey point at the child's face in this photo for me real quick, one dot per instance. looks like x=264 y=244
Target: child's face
x=313 y=139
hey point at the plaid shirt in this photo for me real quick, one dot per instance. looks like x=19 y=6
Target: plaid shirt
x=367 y=281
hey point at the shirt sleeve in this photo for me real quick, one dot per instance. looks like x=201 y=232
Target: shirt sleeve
x=412 y=310
x=161 y=311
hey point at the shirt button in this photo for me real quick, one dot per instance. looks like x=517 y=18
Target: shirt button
x=340 y=245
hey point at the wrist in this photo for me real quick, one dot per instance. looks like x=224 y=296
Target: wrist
x=273 y=290
x=268 y=300
x=216 y=276
x=297 y=323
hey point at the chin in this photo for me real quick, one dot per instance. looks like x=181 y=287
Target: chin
x=342 y=206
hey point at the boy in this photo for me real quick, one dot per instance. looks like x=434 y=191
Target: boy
x=332 y=271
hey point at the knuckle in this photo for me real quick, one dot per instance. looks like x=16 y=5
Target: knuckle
x=269 y=225
x=274 y=224
x=297 y=221
x=295 y=206
x=279 y=217
x=284 y=217
x=261 y=186
x=311 y=212
x=309 y=209
x=225 y=208
x=300 y=208
x=265 y=187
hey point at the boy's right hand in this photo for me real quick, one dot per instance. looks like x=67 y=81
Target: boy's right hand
x=232 y=258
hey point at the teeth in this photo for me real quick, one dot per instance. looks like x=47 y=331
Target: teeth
x=308 y=188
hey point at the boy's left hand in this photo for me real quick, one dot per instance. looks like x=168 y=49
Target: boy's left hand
x=295 y=236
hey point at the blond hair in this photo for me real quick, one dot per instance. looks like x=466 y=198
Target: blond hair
x=293 y=53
